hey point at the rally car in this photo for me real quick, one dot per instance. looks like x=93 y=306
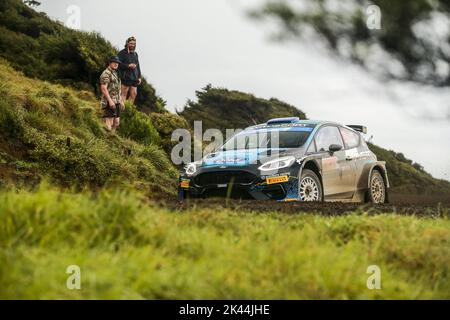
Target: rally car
x=288 y=159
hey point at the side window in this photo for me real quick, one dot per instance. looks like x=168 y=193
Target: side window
x=351 y=138
x=312 y=147
x=327 y=136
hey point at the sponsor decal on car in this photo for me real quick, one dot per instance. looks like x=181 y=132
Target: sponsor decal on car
x=184 y=184
x=277 y=179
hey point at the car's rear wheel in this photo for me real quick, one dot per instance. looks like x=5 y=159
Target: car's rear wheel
x=309 y=187
x=377 y=188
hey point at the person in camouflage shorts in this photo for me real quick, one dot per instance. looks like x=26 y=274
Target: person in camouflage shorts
x=112 y=102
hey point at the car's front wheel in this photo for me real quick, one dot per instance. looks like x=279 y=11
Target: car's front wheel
x=309 y=187
x=377 y=188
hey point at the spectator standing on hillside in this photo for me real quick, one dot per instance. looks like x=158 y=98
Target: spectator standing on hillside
x=112 y=101
x=130 y=70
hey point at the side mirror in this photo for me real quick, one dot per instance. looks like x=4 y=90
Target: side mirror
x=334 y=148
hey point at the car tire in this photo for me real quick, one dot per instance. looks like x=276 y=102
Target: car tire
x=377 y=188
x=309 y=187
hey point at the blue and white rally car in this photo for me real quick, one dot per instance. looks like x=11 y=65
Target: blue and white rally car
x=288 y=159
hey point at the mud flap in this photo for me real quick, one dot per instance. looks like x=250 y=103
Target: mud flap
x=291 y=188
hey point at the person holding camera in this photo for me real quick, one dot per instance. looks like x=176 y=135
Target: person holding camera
x=112 y=102
x=130 y=70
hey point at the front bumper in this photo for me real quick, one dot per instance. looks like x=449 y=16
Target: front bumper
x=243 y=183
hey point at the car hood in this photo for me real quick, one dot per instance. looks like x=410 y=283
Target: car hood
x=245 y=157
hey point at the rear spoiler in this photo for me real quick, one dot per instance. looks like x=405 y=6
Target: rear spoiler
x=358 y=128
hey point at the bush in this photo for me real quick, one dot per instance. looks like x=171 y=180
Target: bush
x=137 y=126
x=165 y=124
x=71 y=161
x=11 y=121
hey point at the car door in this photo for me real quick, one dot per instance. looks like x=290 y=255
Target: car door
x=338 y=174
x=353 y=155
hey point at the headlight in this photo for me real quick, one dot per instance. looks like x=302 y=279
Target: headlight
x=190 y=169
x=279 y=163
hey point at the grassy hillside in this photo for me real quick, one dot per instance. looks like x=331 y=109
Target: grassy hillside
x=45 y=49
x=221 y=108
x=408 y=177
x=129 y=248
x=52 y=132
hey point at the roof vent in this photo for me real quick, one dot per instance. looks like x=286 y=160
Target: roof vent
x=283 y=120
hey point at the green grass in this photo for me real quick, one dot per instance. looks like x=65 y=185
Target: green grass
x=53 y=132
x=128 y=247
x=45 y=49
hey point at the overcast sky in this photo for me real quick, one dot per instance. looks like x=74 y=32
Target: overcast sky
x=184 y=45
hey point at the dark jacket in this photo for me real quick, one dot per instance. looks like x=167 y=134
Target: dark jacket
x=127 y=74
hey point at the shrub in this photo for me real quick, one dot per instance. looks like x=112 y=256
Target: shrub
x=165 y=124
x=137 y=126
x=11 y=121
x=71 y=161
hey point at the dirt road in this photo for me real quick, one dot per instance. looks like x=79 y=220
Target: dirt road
x=399 y=205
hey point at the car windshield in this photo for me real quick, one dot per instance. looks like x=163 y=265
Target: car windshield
x=285 y=138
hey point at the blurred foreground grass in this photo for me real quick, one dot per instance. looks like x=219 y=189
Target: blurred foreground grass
x=130 y=248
